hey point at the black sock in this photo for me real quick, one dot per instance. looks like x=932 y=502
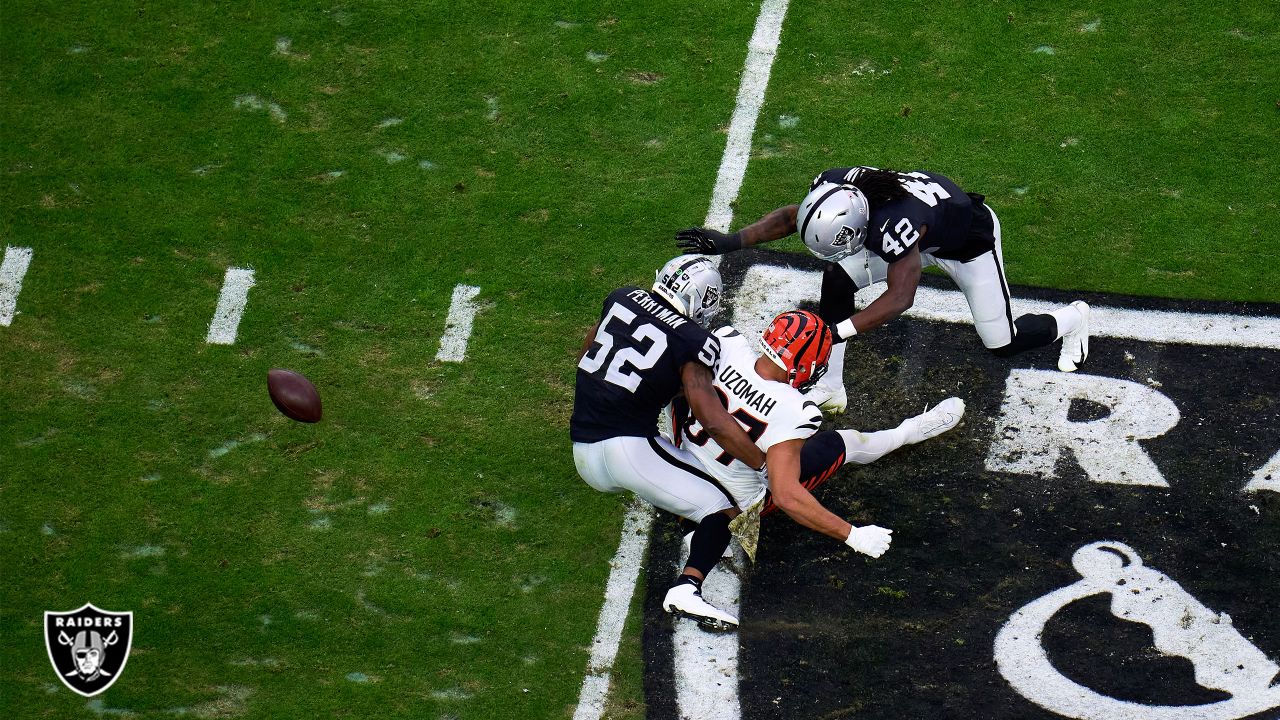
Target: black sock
x=709 y=542
x=687 y=526
x=688 y=580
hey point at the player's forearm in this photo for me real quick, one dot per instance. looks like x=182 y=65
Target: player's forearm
x=774 y=226
x=885 y=308
x=802 y=507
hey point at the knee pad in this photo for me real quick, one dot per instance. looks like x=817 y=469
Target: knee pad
x=1033 y=331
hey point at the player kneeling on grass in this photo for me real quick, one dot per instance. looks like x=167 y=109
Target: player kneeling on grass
x=646 y=349
x=876 y=226
x=764 y=394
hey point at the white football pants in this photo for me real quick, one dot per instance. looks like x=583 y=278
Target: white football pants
x=654 y=469
x=980 y=279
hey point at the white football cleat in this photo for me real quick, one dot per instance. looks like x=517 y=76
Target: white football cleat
x=933 y=422
x=1075 y=344
x=831 y=399
x=686 y=600
x=688 y=547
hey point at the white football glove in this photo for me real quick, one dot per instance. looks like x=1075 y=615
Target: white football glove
x=870 y=540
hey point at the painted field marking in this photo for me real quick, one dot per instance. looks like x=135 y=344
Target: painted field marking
x=12 y=270
x=1180 y=625
x=769 y=289
x=457 y=331
x=231 y=302
x=706 y=665
x=1267 y=477
x=761 y=51
x=709 y=689
x=613 y=616
x=1034 y=427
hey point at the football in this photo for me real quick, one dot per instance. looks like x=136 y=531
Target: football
x=294 y=395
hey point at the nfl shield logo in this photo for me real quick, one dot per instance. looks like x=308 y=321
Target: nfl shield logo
x=88 y=647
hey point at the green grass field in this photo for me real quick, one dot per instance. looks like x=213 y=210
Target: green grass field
x=428 y=550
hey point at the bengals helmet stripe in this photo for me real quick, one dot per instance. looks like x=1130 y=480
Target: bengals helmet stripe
x=799 y=342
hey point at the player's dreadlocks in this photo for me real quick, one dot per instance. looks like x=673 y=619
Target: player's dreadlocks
x=880 y=186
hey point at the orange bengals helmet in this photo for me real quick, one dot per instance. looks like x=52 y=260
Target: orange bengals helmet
x=799 y=342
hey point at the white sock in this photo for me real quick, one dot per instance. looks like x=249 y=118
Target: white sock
x=1068 y=319
x=863 y=448
x=835 y=366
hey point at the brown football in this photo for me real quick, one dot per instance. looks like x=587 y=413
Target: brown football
x=294 y=395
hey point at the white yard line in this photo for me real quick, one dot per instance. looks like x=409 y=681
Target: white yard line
x=12 y=270
x=704 y=690
x=755 y=79
x=457 y=332
x=706 y=665
x=613 y=616
x=231 y=303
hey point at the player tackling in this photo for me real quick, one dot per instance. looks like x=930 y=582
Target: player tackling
x=646 y=349
x=874 y=226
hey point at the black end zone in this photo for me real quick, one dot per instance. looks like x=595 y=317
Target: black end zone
x=829 y=633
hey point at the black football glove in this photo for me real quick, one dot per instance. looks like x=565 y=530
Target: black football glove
x=707 y=242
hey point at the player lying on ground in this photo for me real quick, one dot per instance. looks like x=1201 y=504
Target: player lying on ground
x=646 y=349
x=885 y=226
x=764 y=394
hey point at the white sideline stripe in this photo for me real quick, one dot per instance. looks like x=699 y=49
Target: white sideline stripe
x=769 y=289
x=706 y=665
x=16 y=262
x=457 y=332
x=231 y=303
x=613 y=616
x=755 y=79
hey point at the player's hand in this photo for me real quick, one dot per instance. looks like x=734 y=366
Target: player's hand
x=707 y=242
x=870 y=540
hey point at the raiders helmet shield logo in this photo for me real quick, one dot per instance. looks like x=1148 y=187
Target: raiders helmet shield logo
x=711 y=298
x=88 y=647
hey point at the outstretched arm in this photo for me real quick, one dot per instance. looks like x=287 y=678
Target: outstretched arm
x=713 y=417
x=774 y=226
x=797 y=502
x=792 y=497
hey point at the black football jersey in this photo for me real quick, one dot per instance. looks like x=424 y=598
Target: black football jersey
x=959 y=226
x=632 y=370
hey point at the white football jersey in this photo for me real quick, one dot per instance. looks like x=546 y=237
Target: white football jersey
x=770 y=412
